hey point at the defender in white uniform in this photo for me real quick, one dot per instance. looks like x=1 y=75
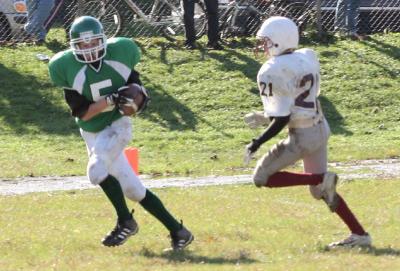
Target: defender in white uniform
x=289 y=88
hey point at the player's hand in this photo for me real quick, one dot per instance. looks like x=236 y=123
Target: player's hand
x=112 y=99
x=253 y=146
x=123 y=99
x=256 y=119
x=250 y=149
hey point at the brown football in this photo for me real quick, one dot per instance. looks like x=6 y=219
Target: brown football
x=133 y=91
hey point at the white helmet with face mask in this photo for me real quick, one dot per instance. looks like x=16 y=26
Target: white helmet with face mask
x=277 y=35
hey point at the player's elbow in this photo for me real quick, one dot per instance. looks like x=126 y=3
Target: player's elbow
x=82 y=114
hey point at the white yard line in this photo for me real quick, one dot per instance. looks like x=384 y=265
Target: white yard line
x=368 y=169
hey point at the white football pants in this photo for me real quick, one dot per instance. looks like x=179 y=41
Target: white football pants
x=106 y=157
x=309 y=144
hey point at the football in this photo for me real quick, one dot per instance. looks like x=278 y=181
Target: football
x=132 y=92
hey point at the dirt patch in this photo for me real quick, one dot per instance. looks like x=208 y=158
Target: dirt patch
x=367 y=169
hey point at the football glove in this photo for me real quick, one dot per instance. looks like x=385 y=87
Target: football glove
x=122 y=98
x=145 y=102
x=250 y=149
x=112 y=99
x=256 y=119
x=129 y=101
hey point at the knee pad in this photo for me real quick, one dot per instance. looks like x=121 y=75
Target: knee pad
x=134 y=193
x=260 y=180
x=96 y=170
x=260 y=174
x=316 y=191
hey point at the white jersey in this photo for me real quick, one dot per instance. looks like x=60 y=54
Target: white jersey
x=289 y=85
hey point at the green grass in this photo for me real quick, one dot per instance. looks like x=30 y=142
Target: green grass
x=194 y=124
x=236 y=228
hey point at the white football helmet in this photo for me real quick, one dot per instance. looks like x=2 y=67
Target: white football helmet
x=278 y=34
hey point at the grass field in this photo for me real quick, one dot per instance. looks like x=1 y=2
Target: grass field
x=236 y=228
x=194 y=127
x=194 y=124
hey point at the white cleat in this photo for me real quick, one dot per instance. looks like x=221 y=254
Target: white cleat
x=328 y=188
x=352 y=241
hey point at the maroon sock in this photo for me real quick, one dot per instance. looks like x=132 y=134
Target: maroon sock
x=284 y=178
x=348 y=217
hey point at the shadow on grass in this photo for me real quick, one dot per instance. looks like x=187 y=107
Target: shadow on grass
x=172 y=114
x=335 y=119
x=374 y=251
x=163 y=48
x=382 y=47
x=168 y=111
x=381 y=251
x=233 y=60
x=188 y=257
x=329 y=54
x=56 y=46
x=26 y=105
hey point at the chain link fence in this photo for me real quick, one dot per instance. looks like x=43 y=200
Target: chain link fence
x=138 y=18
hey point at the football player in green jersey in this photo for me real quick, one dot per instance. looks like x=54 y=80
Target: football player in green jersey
x=91 y=72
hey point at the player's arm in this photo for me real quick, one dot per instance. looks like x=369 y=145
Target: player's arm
x=276 y=125
x=85 y=109
x=134 y=78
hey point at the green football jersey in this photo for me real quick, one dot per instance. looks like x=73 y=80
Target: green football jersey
x=122 y=55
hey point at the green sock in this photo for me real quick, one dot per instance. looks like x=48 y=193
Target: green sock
x=113 y=190
x=154 y=206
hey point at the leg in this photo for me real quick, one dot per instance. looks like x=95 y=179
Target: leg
x=358 y=236
x=57 y=7
x=340 y=18
x=126 y=225
x=344 y=212
x=352 y=16
x=188 y=17
x=278 y=157
x=180 y=236
x=283 y=154
x=212 y=13
x=101 y=148
x=113 y=191
x=134 y=190
x=39 y=14
x=316 y=162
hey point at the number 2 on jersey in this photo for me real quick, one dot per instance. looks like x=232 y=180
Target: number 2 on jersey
x=301 y=99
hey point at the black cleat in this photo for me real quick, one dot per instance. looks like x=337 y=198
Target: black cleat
x=122 y=231
x=181 y=238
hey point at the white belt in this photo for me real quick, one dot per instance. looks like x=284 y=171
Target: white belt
x=306 y=123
